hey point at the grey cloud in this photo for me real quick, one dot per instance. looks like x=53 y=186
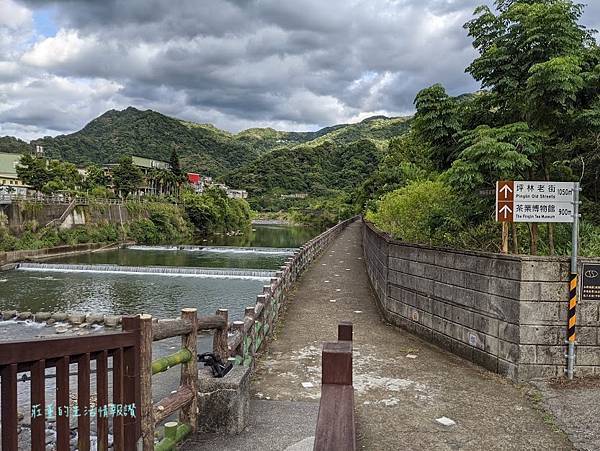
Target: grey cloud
x=238 y=63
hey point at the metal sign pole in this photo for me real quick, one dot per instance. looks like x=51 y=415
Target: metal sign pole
x=573 y=286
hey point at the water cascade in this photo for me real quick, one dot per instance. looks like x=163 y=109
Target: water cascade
x=218 y=249
x=229 y=273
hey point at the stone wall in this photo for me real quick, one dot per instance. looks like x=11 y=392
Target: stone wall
x=20 y=213
x=506 y=313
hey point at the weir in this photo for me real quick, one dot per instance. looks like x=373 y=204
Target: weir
x=218 y=249
x=229 y=273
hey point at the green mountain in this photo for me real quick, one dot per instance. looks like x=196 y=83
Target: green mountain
x=378 y=129
x=201 y=147
x=322 y=170
x=10 y=144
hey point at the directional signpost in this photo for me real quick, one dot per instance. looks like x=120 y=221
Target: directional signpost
x=535 y=201
x=531 y=201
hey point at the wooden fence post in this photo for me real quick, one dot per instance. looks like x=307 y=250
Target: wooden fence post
x=220 y=336
x=238 y=326
x=146 y=408
x=250 y=316
x=131 y=383
x=345 y=331
x=189 y=370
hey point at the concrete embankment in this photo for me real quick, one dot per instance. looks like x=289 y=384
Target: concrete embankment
x=19 y=214
x=7 y=259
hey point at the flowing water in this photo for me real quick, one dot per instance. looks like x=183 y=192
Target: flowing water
x=219 y=272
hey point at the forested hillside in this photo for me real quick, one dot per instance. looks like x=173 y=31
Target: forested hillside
x=11 y=144
x=150 y=134
x=201 y=147
x=321 y=170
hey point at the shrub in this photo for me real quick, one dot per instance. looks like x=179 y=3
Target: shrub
x=421 y=212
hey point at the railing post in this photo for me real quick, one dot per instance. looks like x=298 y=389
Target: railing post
x=131 y=382
x=345 y=331
x=146 y=408
x=220 y=336
x=238 y=326
x=250 y=316
x=189 y=370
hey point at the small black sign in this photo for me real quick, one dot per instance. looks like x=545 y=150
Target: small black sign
x=590 y=282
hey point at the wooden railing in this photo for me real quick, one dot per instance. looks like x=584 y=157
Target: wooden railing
x=335 y=423
x=184 y=399
x=35 y=357
x=250 y=333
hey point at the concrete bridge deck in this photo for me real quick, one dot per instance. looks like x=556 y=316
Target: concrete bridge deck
x=402 y=384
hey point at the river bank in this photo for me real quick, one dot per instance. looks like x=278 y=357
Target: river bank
x=8 y=258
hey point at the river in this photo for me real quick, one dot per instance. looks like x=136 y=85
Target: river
x=104 y=288
x=118 y=282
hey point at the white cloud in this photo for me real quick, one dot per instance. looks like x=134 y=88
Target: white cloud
x=14 y=15
x=66 y=46
x=235 y=63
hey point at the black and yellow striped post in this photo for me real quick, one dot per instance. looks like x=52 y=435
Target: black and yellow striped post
x=572 y=308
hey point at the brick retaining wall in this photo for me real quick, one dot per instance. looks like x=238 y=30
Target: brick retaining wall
x=506 y=313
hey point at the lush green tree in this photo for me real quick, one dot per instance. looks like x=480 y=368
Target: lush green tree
x=522 y=35
x=95 y=177
x=212 y=211
x=127 y=178
x=33 y=171
x=423 y=212
x=436 y=123
x=175 y=165
x=64 y=174
x=406 y=160
x=491 y=154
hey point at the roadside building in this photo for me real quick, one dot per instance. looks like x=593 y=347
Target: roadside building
x=155 y=173
x=9 y=180
x=236 y=193
x=156 y=176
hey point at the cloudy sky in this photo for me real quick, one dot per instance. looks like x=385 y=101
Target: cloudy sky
x=288 y=64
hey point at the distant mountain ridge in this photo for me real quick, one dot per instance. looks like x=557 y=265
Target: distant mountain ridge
x=201 y=147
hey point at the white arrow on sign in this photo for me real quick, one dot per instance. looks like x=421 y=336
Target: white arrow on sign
x=506 y=210
x=506 y=190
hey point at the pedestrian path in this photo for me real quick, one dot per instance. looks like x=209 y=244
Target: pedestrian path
x=403 y=385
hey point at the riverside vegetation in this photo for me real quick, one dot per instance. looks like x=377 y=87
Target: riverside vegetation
x=150 y=223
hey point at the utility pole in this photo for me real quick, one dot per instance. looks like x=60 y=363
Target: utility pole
x=573 y=286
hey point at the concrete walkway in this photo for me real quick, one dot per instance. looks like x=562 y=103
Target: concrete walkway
x=402 y=384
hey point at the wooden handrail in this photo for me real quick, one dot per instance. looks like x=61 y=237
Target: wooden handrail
x=164 y=363
x=172 y=403
x=167 y=328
